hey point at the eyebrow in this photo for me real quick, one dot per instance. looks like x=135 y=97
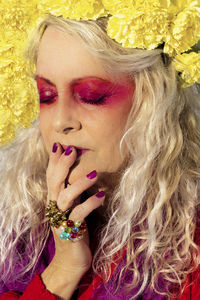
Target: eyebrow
x=45 y=79
x=73 y=82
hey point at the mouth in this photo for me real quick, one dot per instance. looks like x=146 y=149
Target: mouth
x=80 y=151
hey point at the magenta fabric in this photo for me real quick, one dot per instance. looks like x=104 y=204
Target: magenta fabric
x=43 y=261
x=104 y=291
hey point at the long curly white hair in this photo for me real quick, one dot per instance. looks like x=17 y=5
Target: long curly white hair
x=155 y=204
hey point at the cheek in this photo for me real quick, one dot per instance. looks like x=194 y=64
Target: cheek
x=118 y=114
x=122 y=100
x=107 y=126
x=44 y=117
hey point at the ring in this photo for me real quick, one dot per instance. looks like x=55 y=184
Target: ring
x=55 y=215
x=73 y=230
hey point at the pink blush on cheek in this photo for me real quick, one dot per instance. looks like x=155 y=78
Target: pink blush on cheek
x=123 y=92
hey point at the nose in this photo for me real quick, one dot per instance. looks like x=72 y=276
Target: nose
x=65 y=117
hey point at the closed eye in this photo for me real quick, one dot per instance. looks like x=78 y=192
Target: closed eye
x=96 y=101
x=49 y=100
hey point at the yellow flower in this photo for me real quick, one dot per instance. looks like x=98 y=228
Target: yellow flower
x=12 y=46
x=146 y=24
x=189 y=66
x=19 y=104
x=73 y=9
x=175 y=6
x=7 y=128
x=140 y=27
x=6 y=92
x=25 y=105
x=6 y=55
x=114 y=7
x=16 y=14
x=57 y=8
x=184 y=29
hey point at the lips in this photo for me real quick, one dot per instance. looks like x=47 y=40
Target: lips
x=80 y=151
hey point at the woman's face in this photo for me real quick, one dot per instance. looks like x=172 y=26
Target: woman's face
x=83 y=105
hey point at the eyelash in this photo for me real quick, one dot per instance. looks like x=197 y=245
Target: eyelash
x=46 y=100
x=94 y=102
x=98 y=101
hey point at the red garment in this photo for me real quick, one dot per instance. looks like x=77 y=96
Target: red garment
x=35 y=291
x=85 y=294
x=192 y=292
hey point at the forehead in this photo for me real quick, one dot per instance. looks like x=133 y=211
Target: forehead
x=60 y=53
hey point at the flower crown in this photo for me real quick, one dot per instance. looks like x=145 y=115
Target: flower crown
x=145 y=24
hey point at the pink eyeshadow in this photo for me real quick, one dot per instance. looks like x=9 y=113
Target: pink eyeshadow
x=90 y=90
x=46 y=92
x=97 y=88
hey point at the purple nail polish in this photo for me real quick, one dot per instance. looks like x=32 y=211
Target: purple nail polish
x=68 y=150
x=55 y=147
x=100 y=194
x=91 y=175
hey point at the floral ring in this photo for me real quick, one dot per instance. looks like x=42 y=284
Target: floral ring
x=55 y=215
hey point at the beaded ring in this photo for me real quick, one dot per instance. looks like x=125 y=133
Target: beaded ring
x=72 y=230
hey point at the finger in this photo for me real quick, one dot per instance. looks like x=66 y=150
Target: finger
x=68 y=195
x=54 y=156
x=58 y=157
x=58 y=172
x=81 y=211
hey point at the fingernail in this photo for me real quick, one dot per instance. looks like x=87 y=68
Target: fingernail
x=100 y=194
x=68 y=150
x=91 y=175
x=55 y=147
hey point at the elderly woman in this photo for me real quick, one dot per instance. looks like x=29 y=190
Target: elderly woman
x=114 y=158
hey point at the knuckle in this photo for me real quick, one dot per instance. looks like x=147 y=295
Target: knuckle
x=68 y=159
x=79 y=210
x=52 y=193
x=64 y=199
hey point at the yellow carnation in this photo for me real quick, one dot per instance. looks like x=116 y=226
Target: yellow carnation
x=142 y=27
x=12 y=65
x=25 y=105
x=189 y=66
x=184 y=29
x=175 y=6
x=17 y=99
x=57 y=8
x=7 y=128
x=6 y=58
x=16 y=14
x=19 y=104
x=6 y=92
x=115 y=6
x=73 y=9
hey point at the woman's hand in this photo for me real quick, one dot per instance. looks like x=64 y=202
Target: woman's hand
x=72 y=259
